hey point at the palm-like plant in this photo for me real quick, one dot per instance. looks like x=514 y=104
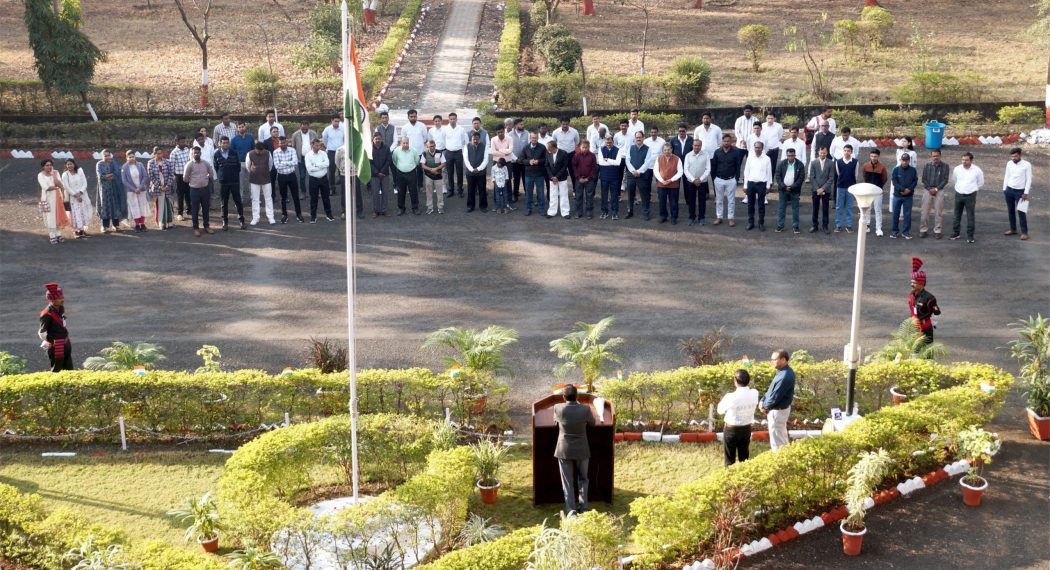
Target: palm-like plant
x=584 y=348
x=909 y=343
x=202 y=515
x=477 y=354
x=1032 y=349
x=88 y=555
x=477 y=530
x=253 y=558
x=126 y=356
x=866 y=473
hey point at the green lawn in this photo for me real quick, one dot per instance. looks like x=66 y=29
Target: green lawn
x=641 y=469
x=132 y=491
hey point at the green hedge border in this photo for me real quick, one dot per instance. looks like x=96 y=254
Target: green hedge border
x=379 y=66
x=183 y=404
x=509 y=44
x=32 y=534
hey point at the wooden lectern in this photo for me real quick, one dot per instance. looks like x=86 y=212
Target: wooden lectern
x=546 y=480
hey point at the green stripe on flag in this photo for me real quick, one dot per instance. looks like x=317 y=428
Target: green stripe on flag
x=357 y=139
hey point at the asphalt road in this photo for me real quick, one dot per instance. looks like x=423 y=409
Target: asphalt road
x=260 y=294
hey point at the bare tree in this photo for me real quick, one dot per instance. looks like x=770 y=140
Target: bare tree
x=813 y=42
x=646 y=7
x=552 y=9
x=200 y=35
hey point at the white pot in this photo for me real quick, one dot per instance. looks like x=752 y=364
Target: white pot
x=842 y=527
x=983 y=486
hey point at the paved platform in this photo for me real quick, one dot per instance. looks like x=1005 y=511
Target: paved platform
x=447 y=82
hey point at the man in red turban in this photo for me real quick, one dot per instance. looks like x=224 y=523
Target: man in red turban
x=53 y=333
x=923 y=304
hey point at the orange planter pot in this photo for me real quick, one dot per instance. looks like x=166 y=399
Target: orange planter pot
x=488 y=494
x=210 y=545
x=972 y=495
x=760 y=436
x=1039 y=426
x=852 y=541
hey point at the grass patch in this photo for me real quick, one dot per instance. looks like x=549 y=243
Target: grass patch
x=642 y=469
x=131 y=491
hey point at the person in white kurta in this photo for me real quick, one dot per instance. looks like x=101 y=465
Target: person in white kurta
x=51 y=198
x=80 y=209
x=133 y=174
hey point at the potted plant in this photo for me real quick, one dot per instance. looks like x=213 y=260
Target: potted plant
x=202 y=515
x=584 y=348
x=977 y=446
x=476 y=364
x=488 y=458
x=869 y=471
x=1033 y=351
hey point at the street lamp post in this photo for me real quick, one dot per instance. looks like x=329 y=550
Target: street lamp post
x=865 y=195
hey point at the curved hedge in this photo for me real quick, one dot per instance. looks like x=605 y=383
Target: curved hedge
x=809 y=475
x=683 y=395
x=379 y=66
x=211 y=404
x=510 y=552
x=266 y=476
x=509 y=43
x=30 y=534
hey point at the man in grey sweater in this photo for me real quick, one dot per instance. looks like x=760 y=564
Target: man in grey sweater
x=573 y=452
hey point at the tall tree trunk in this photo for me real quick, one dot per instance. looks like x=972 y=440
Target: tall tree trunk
x=645 y=33
x=1047 y=94
x=699 y=5
x=204 y=74
x=588 y=8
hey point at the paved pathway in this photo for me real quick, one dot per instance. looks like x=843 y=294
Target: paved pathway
x=447 y=82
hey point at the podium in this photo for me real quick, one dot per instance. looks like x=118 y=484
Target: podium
x=546 y=479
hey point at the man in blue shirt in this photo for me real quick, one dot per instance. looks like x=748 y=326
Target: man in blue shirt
x=242 y=143
x=905 y=179
x=777 y=402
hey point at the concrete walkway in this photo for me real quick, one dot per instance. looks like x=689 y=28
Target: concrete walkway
x=447 y=81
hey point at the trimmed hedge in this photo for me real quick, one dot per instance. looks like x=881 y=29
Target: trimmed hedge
x=666 y=122
x=379 y=66
x=259 y=488
x=679 y=396
x=604 y=91
x=509 y=43
x=808 y=475
x=30 y=534
x=510 y=552
x=210 y=404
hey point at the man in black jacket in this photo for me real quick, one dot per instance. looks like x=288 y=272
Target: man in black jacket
x=475 y=161
x=822 y=175
x=558 y=174
x=790 y=175
x=53 y=334
x=381 y=179
x=228 y=170
x=535 y=172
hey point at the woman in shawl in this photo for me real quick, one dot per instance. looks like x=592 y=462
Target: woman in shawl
x=112 y=203
x=80 y=210
x=51 y=198
x=161 y=186
x=133 y=175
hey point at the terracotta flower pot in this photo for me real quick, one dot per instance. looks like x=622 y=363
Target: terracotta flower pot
x=478 y=406
x=760 y=436
x=898 y=398
x=852 y=541
x=488 y=494
x=1039 y=426
x=209 y=545
x=972 y=495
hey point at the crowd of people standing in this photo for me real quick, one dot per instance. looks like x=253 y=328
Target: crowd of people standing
x=560 y=173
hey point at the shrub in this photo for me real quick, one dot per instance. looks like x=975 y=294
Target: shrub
x=890 y=118
x=126 y=356
x=1020 y=115
x=690 y=78
x=11 y=364
x=1032 y=350
x=510 y=552
x=325 y=355
x=537 y=16
x=807 y=476
x=755 y=39
x=509 y=43
x=562 y=53
x=318 y=55
x=940 y=87
x=875 y=21
x=706 y=349
x=850 y=118
x=964 y=118
x=544 y=35
x=847 y=34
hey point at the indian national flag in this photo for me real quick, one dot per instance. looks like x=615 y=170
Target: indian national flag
x=357 y=117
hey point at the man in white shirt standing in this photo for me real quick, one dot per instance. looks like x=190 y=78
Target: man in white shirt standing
x=567 y=138
x=455 y=140
x=743 y=128
x=772 y=134
x=738 y=407
x=794 y=142
x=264 y=129
x=840 y=143
x=416 y=132
x=758 y=176
x=709 y=134
x=634 y=125
x=1017 y=183
x=823 y=118
x=333 y=137
x=968 y=180
x=697 y=172
x=593 y=137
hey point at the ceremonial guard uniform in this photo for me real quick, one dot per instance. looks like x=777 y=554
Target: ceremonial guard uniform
x=53 y=332
x=923 y=304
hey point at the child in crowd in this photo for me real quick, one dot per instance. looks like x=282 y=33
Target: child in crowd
x=500 y=176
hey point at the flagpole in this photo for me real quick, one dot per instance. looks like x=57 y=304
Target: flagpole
x=351 y=285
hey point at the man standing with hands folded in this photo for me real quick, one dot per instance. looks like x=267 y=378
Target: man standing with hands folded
x=777 y=402
x=738 y=407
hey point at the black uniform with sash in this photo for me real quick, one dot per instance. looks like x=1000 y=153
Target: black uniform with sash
x=53 y=331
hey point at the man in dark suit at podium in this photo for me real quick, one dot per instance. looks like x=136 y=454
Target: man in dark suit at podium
x=573 y=452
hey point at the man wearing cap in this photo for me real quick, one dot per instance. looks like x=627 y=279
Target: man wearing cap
x=905 y=179
x=54 y=336
x=922 y=303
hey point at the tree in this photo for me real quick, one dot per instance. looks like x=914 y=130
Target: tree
x=64 y=57
x=1040 y=32
x=552 y=10
x=584 y=349
x=201 y=36
x=814 y=42
x=755 y=39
